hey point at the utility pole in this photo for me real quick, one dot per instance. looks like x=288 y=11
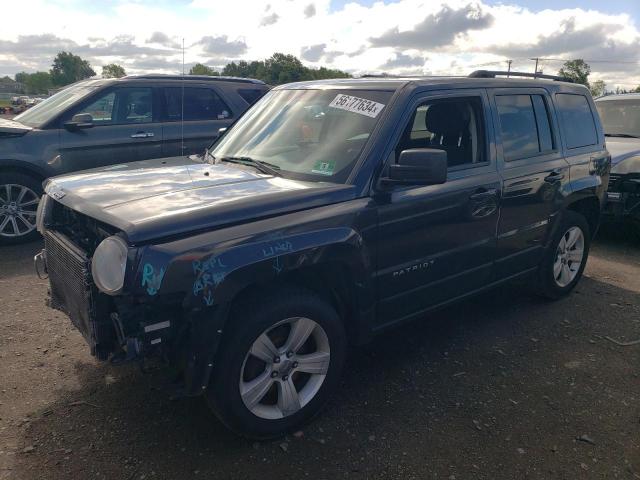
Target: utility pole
x=535 y=72
x=509 y=62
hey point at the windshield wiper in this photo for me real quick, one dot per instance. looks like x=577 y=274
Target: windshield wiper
x=264 y=167
x=621 y=135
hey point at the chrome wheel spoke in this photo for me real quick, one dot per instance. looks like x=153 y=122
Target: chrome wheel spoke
x=255 y=390
x=18 y=210
x=557 y=268
x=35 y=201
x=26 y=222
x=300 y=332
x=569 y=256
x=21 y=195
x=269 y=391
x=264 y=349
x=288 y=398
x=572 y=236
x=7 y=195
x=14 y=224
x=575 y=255
x=314 y=363
x=4 y=223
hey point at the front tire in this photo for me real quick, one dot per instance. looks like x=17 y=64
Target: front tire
x=566 y=257
x=19 y=198
x=279 y=363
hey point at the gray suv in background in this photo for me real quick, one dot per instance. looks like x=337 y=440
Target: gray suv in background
x=95 y=123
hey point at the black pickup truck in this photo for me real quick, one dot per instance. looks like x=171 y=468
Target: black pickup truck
x=331 y=211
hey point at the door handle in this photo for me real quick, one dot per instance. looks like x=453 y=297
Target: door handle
x=142 y=135
x=554 y=177
x=484 y=194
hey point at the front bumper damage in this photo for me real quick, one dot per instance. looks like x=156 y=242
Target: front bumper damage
x=623 y=198
x=148 y=330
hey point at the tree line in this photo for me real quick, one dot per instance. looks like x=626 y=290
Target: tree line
x=275 y=70
x=280 y=68
x=66 y=68
x=578 y=71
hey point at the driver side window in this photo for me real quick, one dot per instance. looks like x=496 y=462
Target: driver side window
x=455 y=125
x=121 y=107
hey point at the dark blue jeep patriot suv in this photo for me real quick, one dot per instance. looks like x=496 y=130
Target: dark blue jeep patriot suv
x=329 y=212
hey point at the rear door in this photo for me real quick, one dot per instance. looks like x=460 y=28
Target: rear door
x=437 y=242
x=534 y=172
x=125 y=129
x=205 y=112
x=583 y=141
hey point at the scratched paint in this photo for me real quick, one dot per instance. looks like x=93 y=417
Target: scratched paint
x=211 y=272
x=276 y=248
x=208 y=274
x=151 y=279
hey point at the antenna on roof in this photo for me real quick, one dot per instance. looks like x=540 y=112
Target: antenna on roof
x=182 y=105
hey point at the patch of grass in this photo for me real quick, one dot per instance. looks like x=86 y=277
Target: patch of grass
x=5 y=102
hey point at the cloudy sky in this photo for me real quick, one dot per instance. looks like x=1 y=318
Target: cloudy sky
x=360 y=36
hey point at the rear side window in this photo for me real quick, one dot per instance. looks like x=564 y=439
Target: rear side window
x=578 y=124
x=524 y=126
x=251 y=95
x=199 y=104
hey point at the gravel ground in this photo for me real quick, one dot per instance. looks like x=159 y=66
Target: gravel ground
x=503 y=386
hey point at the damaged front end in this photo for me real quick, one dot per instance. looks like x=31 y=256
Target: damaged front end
x=124 y=326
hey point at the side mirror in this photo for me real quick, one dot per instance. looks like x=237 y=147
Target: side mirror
x=79 y=122
x=419 y=166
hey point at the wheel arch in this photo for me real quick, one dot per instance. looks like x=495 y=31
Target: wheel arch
x=25 y=168
x=334 y=282
x=589 y=207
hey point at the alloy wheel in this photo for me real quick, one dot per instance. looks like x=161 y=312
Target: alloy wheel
x=569 y=256
x=285 y=368
x=18 y=206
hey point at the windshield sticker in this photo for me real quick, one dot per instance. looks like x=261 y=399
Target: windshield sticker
x=324 y=168
x=357 y=105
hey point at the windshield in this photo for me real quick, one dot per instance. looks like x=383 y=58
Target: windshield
x=620 y=117
x=44 y=111
x=312 y=135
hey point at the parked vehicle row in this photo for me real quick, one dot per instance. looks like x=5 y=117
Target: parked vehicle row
x=103 y=122
x=329 y=212
x=620 y=116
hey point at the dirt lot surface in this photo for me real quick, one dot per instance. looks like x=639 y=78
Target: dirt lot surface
x=504 y=386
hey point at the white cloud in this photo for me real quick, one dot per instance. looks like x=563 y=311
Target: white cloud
x=452 y=38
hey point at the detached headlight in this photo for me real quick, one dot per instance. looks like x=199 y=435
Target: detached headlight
x=109 y=264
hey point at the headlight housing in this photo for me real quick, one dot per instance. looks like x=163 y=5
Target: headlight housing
x=42 y=213
x=109 y=264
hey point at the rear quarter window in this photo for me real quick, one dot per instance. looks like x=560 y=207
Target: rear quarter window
x=577 y=120
x=251 y=95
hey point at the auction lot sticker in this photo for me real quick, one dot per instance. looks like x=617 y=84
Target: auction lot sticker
x=357 y=105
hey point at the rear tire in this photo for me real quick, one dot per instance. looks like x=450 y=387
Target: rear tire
x=267 y=379
x=566 y=257
x=19 y=197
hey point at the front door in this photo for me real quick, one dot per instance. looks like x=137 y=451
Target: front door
x=535 y=176
x=124 y=130
x=437 y=242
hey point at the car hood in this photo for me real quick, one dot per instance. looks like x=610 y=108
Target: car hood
x=172 y=196
x=625 y=154
x=11 y=127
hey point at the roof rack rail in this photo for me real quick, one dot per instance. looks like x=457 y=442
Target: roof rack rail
x=494 y=74
x=220 y=78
